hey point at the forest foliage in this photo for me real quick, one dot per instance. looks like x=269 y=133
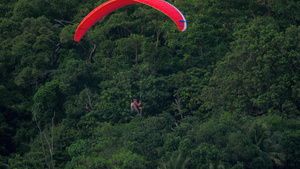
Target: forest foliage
x=223 y=94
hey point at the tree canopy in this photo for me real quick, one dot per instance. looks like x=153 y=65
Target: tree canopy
x=223 y=94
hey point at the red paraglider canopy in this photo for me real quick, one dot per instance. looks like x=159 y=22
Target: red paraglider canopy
x=112 y=5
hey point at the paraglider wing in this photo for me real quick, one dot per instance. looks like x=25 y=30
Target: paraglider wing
x=169 y=10
x=112 y=5
x=99 y=13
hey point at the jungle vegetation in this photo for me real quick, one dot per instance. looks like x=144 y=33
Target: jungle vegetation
x=223 y=94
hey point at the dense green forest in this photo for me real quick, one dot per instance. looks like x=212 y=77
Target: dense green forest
x=223 y=94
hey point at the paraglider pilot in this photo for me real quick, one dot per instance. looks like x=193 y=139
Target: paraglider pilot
x=135 y=107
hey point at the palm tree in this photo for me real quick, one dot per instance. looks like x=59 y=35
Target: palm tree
x=176 y=161
x=217 y=165
x=273 y=149
x=267 y=142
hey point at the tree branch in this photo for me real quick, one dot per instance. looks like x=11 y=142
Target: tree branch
x=63 y=22
x=55 y=52
x=91 y=54
x=177 y=105
x=52 y=135
x=41 y=138
x=51 y=144
x=90 y=104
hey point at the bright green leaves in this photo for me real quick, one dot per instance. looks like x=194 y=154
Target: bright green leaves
x=104 y=150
